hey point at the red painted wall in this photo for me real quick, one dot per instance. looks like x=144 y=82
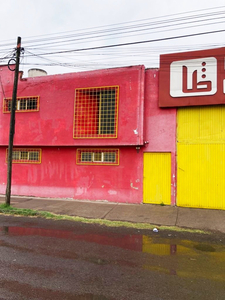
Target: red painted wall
x=51 y=129
x=160 y=125
x=58 y=175
x=53 y=124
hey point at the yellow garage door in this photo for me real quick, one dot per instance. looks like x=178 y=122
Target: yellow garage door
x=157 y=178
x=201 y=157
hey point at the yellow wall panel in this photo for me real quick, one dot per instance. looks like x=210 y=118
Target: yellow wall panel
x=200 y=176
x=201 y=157
x=157 y=178
x=187 y=120
x=204 y=124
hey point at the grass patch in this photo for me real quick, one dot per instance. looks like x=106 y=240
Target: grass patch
x=9 y=210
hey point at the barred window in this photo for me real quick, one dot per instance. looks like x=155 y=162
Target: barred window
x=23 y=104
x=87 y=156
x=96 y=112
x=21 y=155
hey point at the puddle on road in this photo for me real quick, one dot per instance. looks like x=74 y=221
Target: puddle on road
x=138 y=242
x=90 y=297
x=170 y=255
x=205 y=248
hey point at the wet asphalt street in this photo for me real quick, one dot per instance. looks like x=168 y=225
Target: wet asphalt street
x=46 y=259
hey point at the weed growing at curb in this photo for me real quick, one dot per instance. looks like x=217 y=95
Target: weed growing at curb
x=9 y=210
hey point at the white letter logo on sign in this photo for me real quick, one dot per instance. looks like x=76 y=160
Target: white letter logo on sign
x=193 y=77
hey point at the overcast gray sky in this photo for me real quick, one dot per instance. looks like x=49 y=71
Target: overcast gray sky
x=79 y=24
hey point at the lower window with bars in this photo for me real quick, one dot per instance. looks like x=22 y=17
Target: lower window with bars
x=25 y=155
x=94 y=156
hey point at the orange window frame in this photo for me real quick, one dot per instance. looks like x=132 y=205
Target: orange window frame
x=25 y=155
x=97 y=156
x=23 y=104
x=96 y=112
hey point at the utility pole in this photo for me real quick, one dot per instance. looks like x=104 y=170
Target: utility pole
x=12 y=124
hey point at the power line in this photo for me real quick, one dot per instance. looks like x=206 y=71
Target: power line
x=42 y=44
x=161 y=21
x=134 y=43
x=127 y=30
x=136 y=21
x=128 y=33
x=120 y=30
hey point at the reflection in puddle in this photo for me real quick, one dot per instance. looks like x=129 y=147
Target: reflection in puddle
x=165 y=255
x=186 y=258
x=129 y=242
x=91 y=297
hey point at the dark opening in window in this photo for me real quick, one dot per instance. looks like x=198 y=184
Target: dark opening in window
x=96 y=112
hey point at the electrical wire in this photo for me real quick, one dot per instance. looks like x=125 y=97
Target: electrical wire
x=164 y=22
x=135 y=43
x=41 y=47
x=127 y=33
x=151 y=24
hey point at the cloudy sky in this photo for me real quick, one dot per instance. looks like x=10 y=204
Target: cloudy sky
x=57 y=34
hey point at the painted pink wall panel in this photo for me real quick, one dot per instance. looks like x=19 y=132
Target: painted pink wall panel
x=59 y=176
x=159 y=125
x=53 y=124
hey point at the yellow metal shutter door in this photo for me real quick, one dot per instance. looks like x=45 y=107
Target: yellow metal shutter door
x=201 y=157
x=157 y=178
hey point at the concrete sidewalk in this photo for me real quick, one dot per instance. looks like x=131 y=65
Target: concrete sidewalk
x=204 y=219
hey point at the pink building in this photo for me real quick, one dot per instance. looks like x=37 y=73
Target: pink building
x=97 y=135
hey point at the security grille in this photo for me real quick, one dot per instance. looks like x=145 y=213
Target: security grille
x=25 y=155
x=89 y=156
x=96 y=112
x=23 y=104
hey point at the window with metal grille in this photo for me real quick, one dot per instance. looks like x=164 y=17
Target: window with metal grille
x=25 y=155
x=95 y=113
x=23 y=104
x=94 y=156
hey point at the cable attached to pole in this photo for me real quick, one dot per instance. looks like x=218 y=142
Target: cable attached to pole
x=12 y=123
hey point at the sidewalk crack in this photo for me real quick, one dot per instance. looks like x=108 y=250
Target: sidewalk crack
x=109 y=211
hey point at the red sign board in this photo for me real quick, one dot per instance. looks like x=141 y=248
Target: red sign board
x=192 y=78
